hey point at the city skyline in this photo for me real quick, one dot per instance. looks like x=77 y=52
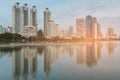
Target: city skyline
x=107 y=14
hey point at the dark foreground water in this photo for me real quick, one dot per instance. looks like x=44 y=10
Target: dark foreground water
x=86 y=61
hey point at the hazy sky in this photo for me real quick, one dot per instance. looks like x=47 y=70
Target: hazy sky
x=65 y=12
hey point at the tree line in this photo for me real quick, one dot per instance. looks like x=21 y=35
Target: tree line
x=15 y=37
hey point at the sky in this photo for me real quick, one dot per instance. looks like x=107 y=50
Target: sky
x=65 y=12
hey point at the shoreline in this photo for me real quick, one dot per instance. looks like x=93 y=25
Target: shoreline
x=49 y=43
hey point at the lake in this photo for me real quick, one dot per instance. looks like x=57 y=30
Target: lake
x=83 y=61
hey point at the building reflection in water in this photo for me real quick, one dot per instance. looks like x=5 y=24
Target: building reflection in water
x=93 y=52
x=40 y=49
x=17 y=67
x=5 y=52
x=111 y=46
x=71 y=50
x=89 y=53
x=50 y=55
x=81 y=54
x=98 y=49
x=24 y=61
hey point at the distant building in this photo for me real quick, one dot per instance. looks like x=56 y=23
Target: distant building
x=51 y=29
x=97 y=28
x=47 y=17
x=93 y=28
x=16 y=18
x=99 y=32
x=90 y=29
x=95 y=24
x=58 y=31
x=1 y=29
x=110 y=33
x=70 y=30
x=81 y=28
x=7 y=29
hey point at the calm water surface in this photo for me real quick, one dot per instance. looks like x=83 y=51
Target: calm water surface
x=85 y=61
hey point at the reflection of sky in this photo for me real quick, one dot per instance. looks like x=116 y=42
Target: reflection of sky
x=63 y=65
x=5 y=68
x=66 y=11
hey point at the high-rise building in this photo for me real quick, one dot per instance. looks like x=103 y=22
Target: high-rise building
x=110 y=33
x=16 y=18
x=25 y=17
x=47 y=17
x=51 y=29
x=56 y=30
x=33 y=16
x=99 y=33
x=81 y=28
x=95 y=27
x=21 y=20
x=90 y=29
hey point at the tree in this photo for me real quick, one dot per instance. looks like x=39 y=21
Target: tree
x=11 y=37
x=40 y=33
